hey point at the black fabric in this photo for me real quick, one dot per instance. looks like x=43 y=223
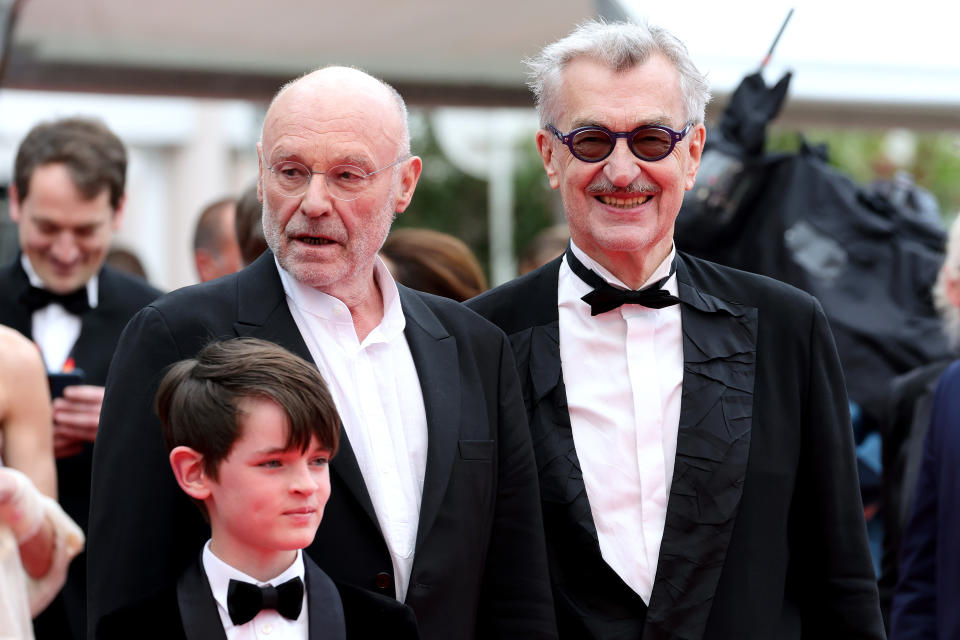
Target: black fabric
x=76 y=302
x=605 y=297
x=868 y=255
x=246 y=600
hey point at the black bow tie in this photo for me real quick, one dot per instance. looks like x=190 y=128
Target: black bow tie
x=245 y=600
x=605 y=297
x=76 y=302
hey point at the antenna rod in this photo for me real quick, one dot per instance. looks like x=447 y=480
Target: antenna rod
x=773 y=46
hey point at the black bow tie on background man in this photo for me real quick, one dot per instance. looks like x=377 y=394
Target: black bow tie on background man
x=245 y=600
x=75 y=302
x=605 y=297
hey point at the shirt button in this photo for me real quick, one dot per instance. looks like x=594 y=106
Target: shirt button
x=383 y=581
x=267 y=629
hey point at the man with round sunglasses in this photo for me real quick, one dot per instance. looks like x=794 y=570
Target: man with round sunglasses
x=690 y=423
x=434 y=490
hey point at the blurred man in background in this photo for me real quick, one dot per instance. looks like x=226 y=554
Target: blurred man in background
x=67 y=199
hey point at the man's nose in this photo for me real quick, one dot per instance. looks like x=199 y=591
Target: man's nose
x=64 y=248
x=317 y=199
x=622 y=167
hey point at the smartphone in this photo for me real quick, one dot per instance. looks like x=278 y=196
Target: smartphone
x=58 y=381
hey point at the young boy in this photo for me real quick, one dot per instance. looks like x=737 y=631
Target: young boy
x=251 y=428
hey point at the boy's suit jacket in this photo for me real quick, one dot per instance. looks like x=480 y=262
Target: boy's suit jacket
x=189 y=612
x=119 y=297
x=765 y=536
x=480 y=564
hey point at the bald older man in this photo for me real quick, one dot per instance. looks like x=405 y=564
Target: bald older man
x=434 y=491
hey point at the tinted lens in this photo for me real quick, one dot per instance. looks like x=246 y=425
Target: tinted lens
x=651 y=143
x=591 y=144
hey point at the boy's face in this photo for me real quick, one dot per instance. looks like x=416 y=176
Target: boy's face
x=267 y=500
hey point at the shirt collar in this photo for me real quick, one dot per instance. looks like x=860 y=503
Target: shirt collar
x=329 y=308
x=219 y=574
x=662 y=270
x=93 y=284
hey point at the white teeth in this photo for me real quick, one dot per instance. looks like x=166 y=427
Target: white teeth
x=623 y=203
x=315 y=241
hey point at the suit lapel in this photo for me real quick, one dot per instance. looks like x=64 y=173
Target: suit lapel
x=537 y=353
x=326 y=621
x=198 y=609
x=713 y=443
x=262 y=312
x=435 y=355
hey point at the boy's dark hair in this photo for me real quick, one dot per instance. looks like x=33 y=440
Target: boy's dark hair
x=199 y=399
x=94 y=156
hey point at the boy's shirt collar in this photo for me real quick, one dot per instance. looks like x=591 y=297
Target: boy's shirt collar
x=219 y=575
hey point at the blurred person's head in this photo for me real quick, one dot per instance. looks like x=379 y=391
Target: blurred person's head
x=433 y=262
x=127 y=261
x=621 y=194
x=544 y=247
x=67 y=199
x=249 y=226
x=335 y=169
x=215 y=249
x=946 y=291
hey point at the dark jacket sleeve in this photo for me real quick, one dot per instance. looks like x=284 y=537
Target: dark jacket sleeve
x=135 y=501
x=913 y=613
x=516 y=599
x=840 y=590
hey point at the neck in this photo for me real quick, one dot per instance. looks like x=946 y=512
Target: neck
x=262 y=564
x=632 y=268
x=364 y=300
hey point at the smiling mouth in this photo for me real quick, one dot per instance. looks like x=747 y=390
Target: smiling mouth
x=315 y=241
x=624 y=203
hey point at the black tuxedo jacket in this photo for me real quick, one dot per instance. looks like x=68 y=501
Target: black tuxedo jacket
x=480 y=565
x=187 y=611
x=764 y=536
x=119 y=297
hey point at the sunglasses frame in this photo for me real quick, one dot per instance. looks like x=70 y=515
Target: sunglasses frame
x=567 y=140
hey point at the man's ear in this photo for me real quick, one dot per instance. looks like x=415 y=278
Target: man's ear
x=260 y=172
x=545 y=147
x=14 y=204
x=118 y=212
x=409 y=176
x=696 y=137
x=187 y=465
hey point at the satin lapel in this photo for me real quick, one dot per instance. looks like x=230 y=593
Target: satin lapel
x=14 y=284
x=436 y=357
x=326 y=620
x=198 y=609
x=713 y=443
x=263 y=313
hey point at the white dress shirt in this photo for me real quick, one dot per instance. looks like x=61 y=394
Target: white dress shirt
x=375 y=386
x=623 y=371
x=268 y=624
x=54 y=329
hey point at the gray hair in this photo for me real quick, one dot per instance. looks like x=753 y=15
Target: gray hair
x=398 y=100
x=949 y=273
x=620 y=46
